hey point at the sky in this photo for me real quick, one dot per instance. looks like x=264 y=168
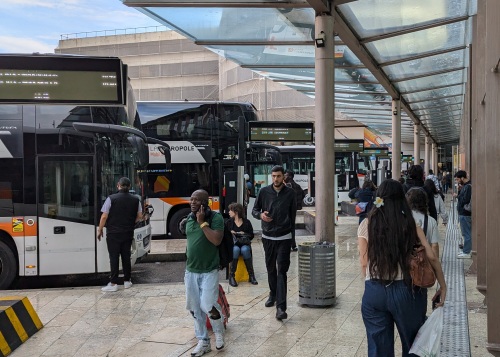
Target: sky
x=28 y=26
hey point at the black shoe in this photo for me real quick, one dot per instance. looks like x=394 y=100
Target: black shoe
x=270 y=301
x=252 y=280
x=294 y=249
x=232 y=281
x=461 y=246
x=280 y=314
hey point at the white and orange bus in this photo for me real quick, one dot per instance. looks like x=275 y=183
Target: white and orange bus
x=68 y=132
x=205 y=140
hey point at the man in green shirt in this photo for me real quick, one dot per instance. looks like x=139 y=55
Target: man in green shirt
x=204 y=231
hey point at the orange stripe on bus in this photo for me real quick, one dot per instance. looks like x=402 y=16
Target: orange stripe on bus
x=27 y=230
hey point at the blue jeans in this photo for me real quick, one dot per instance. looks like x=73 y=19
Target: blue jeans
x=244 y=250
x=465 y=224
x=202 y=292
x=386 y=304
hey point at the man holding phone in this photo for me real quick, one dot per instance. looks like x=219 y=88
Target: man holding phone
x=204 y=231
x=276 y=206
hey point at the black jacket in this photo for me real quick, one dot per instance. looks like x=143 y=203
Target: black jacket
x=464 y=197
x=430 y=195
x=282 y=208
x=299 y=193
x=365 y=195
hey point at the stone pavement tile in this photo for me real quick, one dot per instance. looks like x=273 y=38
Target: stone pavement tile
x=67 y=317
x=334 y=350
x=150 y=349
x=136 y=330
x=39 y=342
x=65 y=346
x=96 y=347
x=172 y=335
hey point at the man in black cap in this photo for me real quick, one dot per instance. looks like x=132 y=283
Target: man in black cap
x=120 y=212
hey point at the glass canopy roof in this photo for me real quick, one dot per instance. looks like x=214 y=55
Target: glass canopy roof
x=420 y=47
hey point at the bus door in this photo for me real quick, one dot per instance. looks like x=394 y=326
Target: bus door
x=66 y=211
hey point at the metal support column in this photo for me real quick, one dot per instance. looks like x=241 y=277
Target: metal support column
x=416 y=144
x=492 y=173
x=325 y=130
x=427 y=156
x=396 y=139
x=434 y=165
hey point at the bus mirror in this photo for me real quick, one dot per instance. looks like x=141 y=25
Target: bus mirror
x=140 y=147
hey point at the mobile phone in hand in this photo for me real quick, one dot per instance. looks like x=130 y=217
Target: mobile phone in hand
x=436 y=301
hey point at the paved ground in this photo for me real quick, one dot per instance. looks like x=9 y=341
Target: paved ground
x=151 y=320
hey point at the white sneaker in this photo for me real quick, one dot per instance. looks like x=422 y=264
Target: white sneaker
x=201 y=348
x=219 y=340
x=110 y=288
x=464 y=256
x=127 y=284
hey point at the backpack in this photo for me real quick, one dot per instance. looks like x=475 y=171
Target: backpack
x=225 y=247
x=361 y=207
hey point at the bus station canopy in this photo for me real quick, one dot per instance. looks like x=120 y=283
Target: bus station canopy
x=417 y=51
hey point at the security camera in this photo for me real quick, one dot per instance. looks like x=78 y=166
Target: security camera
x=395 y=112
x=320 y=39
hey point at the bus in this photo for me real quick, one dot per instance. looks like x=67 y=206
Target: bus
x=350 y=166
x=205 y=139
x=68 y=131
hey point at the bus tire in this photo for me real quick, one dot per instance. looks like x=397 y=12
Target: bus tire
x=8 y=266
x=175 y=221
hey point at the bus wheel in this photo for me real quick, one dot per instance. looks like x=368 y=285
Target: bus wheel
x=175 y=221
x=8 y=266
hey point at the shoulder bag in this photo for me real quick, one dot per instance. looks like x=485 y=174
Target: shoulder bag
x=421 y=271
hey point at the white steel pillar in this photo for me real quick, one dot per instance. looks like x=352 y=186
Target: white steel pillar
x=396 y=139
x=325 y=129
x=427 y=158
x=416 y=144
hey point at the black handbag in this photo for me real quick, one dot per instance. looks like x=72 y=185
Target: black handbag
x=241 y=239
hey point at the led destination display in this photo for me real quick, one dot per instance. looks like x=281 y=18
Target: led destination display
x=75 y=80
x=281 y=131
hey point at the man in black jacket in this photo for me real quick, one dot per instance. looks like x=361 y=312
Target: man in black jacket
x=276 y=206
x=464 y=215
x=120 y=212
x=416 y=179
x=299 y=197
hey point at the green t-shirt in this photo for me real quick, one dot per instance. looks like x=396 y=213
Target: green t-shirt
x=202 y=255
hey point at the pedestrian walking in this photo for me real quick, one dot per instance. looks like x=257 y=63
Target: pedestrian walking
x=299 y=196
x=204 y=232
x=119 y=214
x=276 y=207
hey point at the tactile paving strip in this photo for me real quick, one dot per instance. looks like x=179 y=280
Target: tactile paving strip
x=455 y=339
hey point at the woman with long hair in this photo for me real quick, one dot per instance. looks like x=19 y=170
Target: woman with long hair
x=239 y=225
x=386 y=240
x=438 y=200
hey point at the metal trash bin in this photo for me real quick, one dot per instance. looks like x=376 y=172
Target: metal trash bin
x=317 y=273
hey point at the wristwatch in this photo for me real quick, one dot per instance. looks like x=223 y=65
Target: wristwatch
x=204 y=224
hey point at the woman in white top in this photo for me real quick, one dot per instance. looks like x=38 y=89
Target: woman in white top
x=438 y=200
x=386 y=240
x=417 y=200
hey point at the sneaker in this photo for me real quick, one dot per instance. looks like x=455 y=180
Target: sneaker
x=110 y=288
x=201 y=348
x=464 y=256
x=127 y=284
x=219 y=340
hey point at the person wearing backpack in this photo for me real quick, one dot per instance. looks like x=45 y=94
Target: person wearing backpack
x=366 y=195
x=204 y=232
x=276 y=207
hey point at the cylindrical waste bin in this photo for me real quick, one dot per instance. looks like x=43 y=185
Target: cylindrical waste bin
x=317 y=273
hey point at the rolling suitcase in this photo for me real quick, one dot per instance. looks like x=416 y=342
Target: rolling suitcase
x=222 y=300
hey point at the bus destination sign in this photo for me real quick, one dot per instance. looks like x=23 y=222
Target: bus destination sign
x=349 y=145
x=281 y=131
x=78 y=80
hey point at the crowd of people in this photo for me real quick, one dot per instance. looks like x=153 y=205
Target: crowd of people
x=397 y=216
